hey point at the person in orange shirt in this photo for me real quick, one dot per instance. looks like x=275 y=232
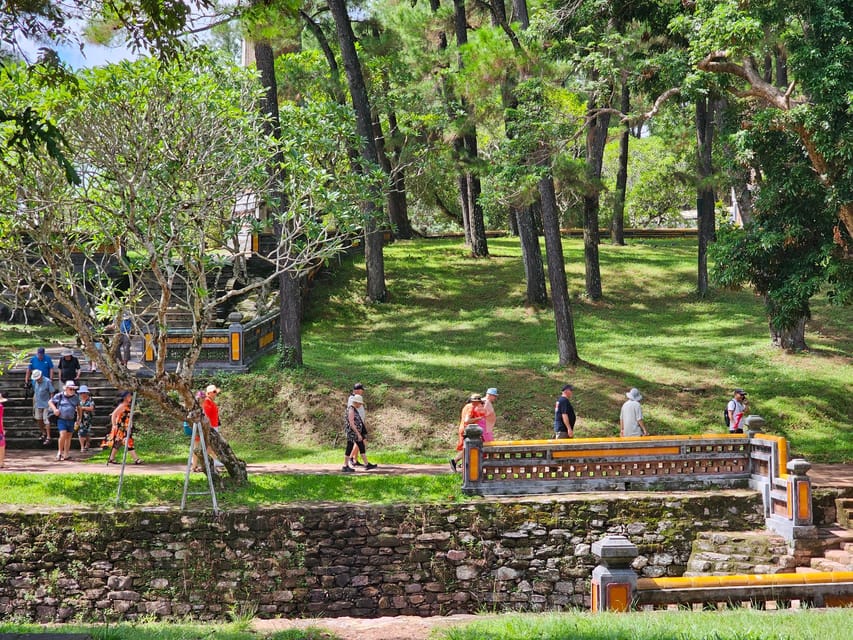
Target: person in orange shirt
x=472 y=413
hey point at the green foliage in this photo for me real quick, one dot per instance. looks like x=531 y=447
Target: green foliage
x=787 y=251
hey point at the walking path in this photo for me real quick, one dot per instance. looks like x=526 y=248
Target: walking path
x=44 y=461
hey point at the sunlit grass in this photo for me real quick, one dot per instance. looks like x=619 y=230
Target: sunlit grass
x=832 y=624
x=164 y=631
x=101 y=492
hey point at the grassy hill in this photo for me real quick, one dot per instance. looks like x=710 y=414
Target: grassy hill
x=455 y=325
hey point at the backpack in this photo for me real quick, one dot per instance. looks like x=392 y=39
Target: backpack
x=726 y=419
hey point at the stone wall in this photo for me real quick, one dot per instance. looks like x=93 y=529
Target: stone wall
x=342 y=560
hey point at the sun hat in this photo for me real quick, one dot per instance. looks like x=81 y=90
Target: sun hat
x=211 y=388
x=83 y=389
x=67 y=352
x=70 y=384
x=36 y=374
x=357 y=398
x=634 y=394
x=475 y=397
x=491 y=391
x=2 y=398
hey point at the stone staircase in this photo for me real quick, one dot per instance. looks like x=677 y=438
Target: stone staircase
x=18 y=423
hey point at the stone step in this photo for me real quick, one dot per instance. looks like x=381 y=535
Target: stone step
x=824 y=564
x=844 y=509
x=840 y=556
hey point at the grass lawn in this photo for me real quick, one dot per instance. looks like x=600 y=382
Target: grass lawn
x=809 y=624
x=455 y=325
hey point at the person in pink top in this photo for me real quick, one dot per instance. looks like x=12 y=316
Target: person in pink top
x=491 y=417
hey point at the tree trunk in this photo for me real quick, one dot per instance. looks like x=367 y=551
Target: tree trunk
x=396 y=200
x=790 y=339
x=477 y=228
x=290 y=294
x=617 y=224
x=566 y=346
x=400 y=214
x=531 y=255
x=781 y=67
x=596 y=138
x=705 y=191
x=374 y=260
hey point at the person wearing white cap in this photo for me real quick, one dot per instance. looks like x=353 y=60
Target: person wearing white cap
x=491 y=417
x=43 y=391
x=87 y=410
x=631 y=422
x=66 y=407
x=69 y=367
x=2 y=434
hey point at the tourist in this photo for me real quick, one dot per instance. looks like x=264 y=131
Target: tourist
x=121 y=431
x=39 y=362
x=124 y=326
x=69 y=367
x=631 y=416
x=65 y=405
x=87 y=410
x=358 y=389
x=491 y=417
x=211 y=410
x=564 y=414
x=43 y=391
x=735 y=411
x=355 y=431
x=472 y=414
x=2 y=435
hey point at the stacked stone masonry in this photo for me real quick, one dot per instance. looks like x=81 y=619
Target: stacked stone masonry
x=300 y=561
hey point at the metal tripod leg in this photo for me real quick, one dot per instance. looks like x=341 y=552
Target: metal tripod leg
x=198 y=431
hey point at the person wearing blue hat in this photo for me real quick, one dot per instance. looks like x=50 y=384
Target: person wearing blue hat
x=488 y=398
x=87 y=410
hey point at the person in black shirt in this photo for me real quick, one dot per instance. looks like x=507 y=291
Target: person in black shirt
x=564 y=414
x=69 y=367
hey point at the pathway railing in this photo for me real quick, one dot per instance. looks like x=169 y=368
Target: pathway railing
x=232 y=349
x=753 y=460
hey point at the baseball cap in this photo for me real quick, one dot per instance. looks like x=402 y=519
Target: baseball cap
x=568 y=387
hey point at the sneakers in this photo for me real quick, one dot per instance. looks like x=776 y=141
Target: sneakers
x=356 y=463
x=453 y=464
x=370 y=466
x=347 y=469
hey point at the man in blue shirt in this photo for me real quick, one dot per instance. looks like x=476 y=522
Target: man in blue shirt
x=39 y=362
x=564 y=414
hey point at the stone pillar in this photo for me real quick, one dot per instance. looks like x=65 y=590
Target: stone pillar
x=613 y=580
x=754 y=424
x=472 y=460
x=235 y=338
x=799 y=493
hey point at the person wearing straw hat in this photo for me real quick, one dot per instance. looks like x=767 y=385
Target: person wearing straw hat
x=2 y=434
x=472 y=414
x=631 y=423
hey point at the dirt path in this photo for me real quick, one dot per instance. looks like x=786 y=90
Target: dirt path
x=393 y=628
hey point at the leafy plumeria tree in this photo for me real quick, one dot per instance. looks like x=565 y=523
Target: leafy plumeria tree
x=163 y=152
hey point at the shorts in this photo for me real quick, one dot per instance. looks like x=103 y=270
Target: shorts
x=560 y=435
x=65 y=425
x=42 y=415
